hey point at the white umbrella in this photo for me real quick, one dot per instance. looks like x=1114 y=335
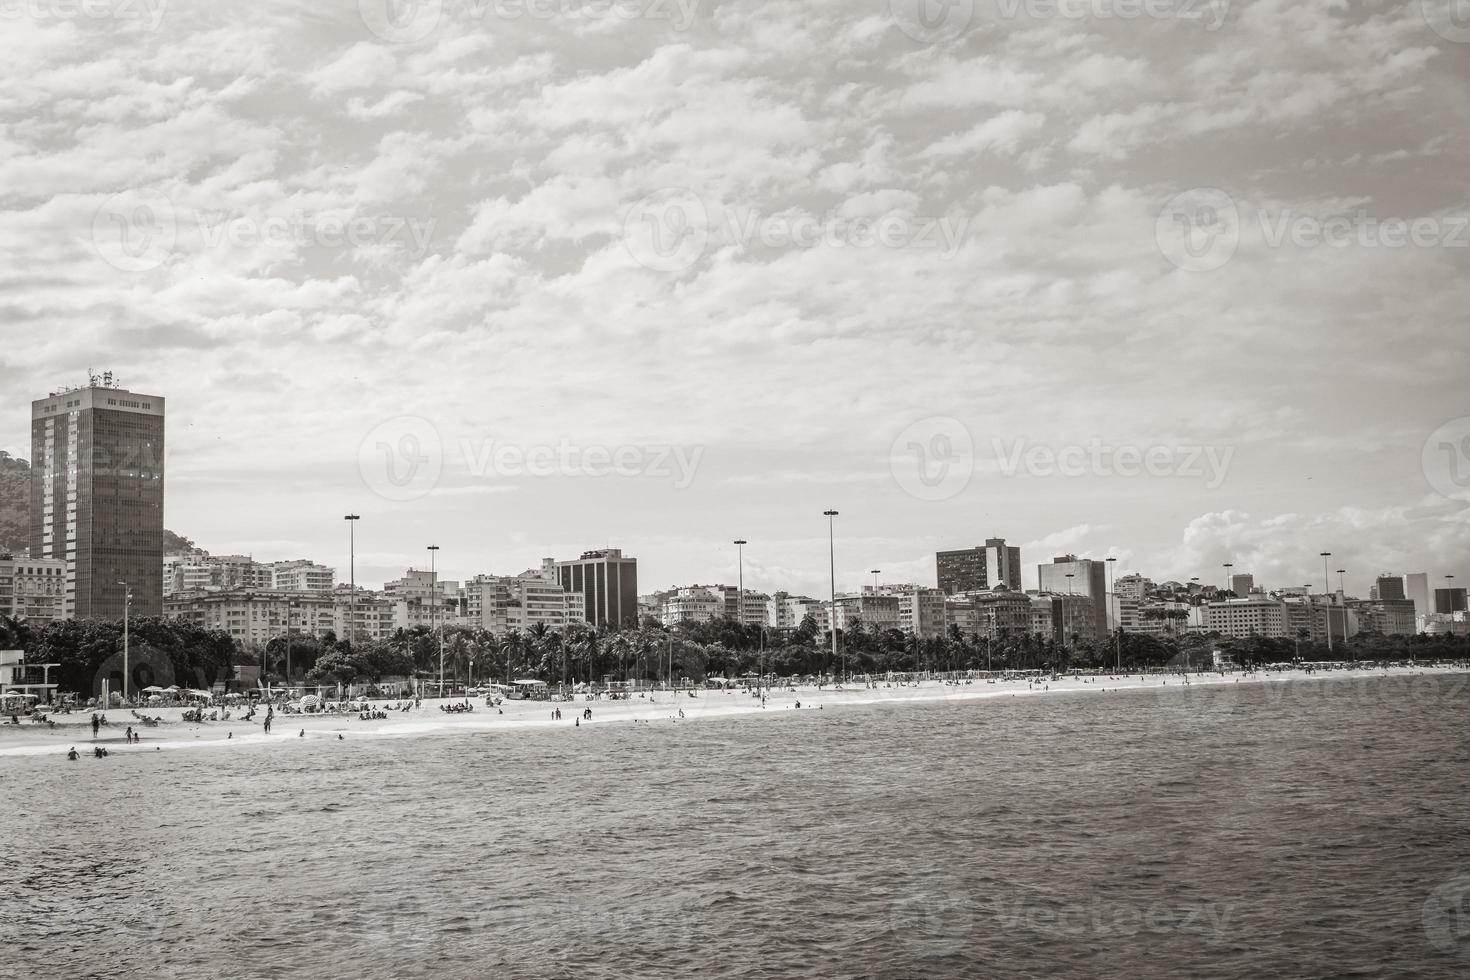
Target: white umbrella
x=152 y=690
x=18 y=694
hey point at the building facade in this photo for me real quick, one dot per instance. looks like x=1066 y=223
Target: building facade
x=607 y=582
x=1070 y=575
x=97 y=457
x=975 y=569
x=34 y=588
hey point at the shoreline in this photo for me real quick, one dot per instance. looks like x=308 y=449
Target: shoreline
x=664 y=707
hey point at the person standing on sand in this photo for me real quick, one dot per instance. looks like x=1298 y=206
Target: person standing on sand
x=96 y=724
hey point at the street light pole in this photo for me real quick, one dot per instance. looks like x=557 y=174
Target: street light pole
x=127 y=603
x=352 y=520
x=832 y=569
x=433 y=580
x=1228 y=566
x=1117 y=626
x=740 y=544
x=1327 y=588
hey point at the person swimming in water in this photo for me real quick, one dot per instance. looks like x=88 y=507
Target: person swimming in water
x=72 y=755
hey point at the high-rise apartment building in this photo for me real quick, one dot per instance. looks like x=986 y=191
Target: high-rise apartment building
x=980 y=568
x=607 y=582
x=97 y=495
x=1242 y=585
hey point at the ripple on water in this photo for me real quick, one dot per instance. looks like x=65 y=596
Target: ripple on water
x=1018 y=837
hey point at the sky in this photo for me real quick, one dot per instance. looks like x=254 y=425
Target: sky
x=1182 y=282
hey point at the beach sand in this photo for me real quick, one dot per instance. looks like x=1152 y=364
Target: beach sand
x=661 y=708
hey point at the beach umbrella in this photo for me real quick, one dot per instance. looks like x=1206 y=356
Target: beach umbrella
x=154 y=689
x=310 y=701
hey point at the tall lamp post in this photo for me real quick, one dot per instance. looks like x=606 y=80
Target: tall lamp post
x=832 y=570
x=1449 y=583
x=433 y=580
x=127 y=602
x=1340 y=587
x=1228 y=566
x=1327 y=588
x=740 y=544
x=1117 y=626
x=352 y=520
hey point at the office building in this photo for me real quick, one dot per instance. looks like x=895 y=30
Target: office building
x=1416 y=588
x=1070 y=575
x=97 y=458
x=607 y=582
x=1387 y=587
x=1449 y=601
x=976 y=569
x=1242 y=585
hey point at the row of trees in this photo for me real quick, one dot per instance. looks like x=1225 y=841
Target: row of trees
x=161 y=652
x=724 y=648
x=173 y=651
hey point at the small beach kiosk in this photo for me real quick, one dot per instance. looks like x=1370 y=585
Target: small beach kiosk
x=19 y=687
x=529 y=690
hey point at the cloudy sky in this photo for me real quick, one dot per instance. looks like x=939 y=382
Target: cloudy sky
x=1182 y=281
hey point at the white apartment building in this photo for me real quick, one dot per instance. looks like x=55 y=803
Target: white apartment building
x=302 y=576
x=786 y=612
x=501 y=603
x=695 y=604
x=34 y=588
x=1249 y=616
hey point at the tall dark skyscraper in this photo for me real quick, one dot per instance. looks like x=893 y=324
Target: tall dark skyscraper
x=97 y=495
x=608 y=583
x=974 y=569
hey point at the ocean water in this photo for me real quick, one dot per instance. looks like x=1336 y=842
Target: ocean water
x=1318 y=829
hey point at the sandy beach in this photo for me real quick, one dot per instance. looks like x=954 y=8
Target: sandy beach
x=662 y=708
